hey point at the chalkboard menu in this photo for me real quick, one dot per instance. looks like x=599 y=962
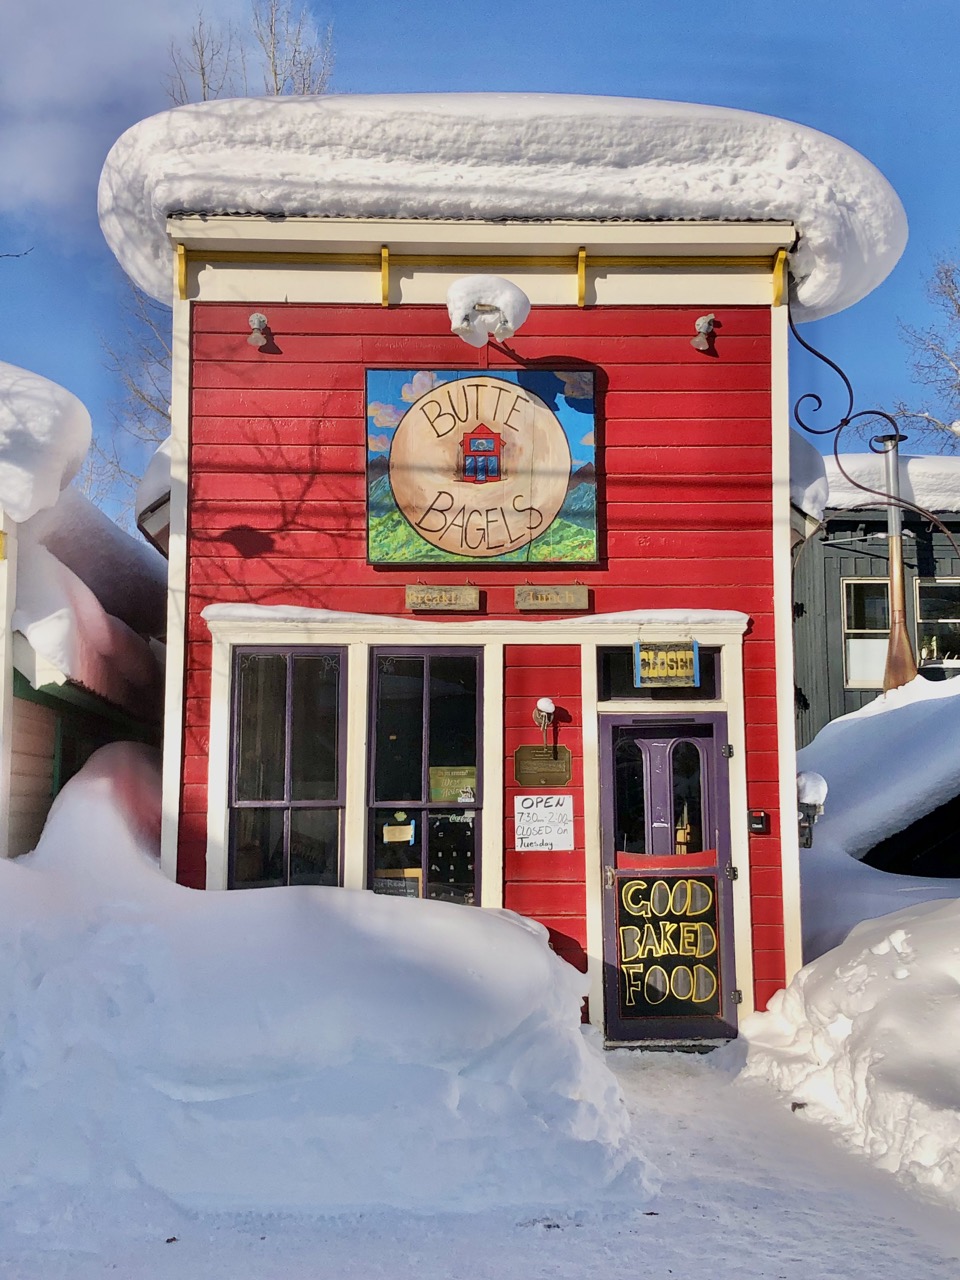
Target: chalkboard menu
x=668 y=957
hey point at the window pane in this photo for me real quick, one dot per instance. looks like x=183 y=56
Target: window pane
x=315 y=846
x=687 y=798
x=450 y=856
x=257 y=847
x=453 y=728
x=314 y=742
x=261 y=726
x=866 y=659
x=630 y=799
x=398 y=773
x=940 y=601
x=867 y=607
x=397 y=859
x=616 y=678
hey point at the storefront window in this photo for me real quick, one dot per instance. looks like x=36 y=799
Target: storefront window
x=866 y=628
x=287 y=785
x=615 y=678
x=938 y=621
x=425 y=802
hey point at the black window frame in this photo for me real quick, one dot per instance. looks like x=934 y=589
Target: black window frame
x=287 y=805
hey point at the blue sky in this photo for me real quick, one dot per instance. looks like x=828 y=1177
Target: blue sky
x=878 y=75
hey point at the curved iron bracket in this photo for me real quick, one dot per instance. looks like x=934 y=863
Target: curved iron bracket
x=875 y=443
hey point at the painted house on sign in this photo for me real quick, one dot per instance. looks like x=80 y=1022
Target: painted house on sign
x=479 y=518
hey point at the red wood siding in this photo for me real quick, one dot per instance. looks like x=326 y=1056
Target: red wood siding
x=277 y=515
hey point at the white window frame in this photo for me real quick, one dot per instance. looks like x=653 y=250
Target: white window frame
x=948 y=581
x=846 y=632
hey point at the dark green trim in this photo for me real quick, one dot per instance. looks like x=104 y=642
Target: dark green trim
x=71 y=699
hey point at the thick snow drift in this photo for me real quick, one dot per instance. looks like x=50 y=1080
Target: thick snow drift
x=155 y=481
x=867 y=1038
x=44 y=436
x=809 y=488
x=929 y=481
x=127 y=576
x=303 y=1049
x=65 y=623
x=496 y=156
x=885 y=765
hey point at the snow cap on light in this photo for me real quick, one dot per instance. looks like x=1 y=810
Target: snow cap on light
x=481 y=307
x=45 y=433
x=501 y=156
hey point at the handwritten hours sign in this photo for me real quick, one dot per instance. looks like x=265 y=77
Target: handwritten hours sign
x=464 y=508
x=543 y=822
x=667 y=946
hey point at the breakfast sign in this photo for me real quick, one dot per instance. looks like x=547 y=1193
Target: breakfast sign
x=480 y=468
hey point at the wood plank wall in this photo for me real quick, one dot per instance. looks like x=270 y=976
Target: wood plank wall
x=277 y=510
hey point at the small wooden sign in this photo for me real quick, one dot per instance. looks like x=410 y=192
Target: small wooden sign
x=666 y=666
x=539 y=767
x=425 y=599
x=552 y=599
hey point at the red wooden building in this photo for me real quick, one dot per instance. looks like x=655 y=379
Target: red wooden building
x=506 y=625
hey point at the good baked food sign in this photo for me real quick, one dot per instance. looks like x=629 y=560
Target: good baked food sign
x=480 y=467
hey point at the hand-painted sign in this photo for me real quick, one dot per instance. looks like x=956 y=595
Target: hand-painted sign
x=667 y=946
x=543 y=822
x=480 y=467
x=664 y=666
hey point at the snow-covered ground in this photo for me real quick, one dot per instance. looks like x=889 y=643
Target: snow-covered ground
x=748 y=1191
x=184 y=1092
x=886 y=765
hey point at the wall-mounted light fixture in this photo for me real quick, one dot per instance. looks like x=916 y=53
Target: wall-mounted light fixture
x=258 y=327
x=704 y=326
x=481 y=307
x=543 y=714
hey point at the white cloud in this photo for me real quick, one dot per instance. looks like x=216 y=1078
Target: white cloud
x=72 y=78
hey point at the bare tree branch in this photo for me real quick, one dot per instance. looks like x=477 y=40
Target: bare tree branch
x=935 y=419
x=290 y=56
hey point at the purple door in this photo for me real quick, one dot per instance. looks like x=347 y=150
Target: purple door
x=667 y=902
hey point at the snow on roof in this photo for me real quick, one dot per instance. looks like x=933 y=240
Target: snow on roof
x=44 y=436
x=65 y=624
x=886 y=765
x=808 y=479
x=128 y=577
x=931 y=481
x=312 y=1049
x=155 y=482
x=504 y=156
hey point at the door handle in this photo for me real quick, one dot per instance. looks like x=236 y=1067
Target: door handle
x=608 y=877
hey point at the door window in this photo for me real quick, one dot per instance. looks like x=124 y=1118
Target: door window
x=286 y=803
x=660 y=790
x=424 y=783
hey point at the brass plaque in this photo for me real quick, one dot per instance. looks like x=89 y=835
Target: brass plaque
x=426 y=599
x=551 y=598
x=536 y=767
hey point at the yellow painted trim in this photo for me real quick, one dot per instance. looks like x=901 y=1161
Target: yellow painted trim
x=581 y=276
x=779 y=277
x=506 y=262
x=384 y=276
x=3 y=556
x=182 y=272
